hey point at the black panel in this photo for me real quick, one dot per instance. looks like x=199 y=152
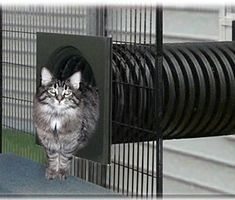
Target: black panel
x=65 y=54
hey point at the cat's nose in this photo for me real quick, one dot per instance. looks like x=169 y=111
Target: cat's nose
x=59 y=98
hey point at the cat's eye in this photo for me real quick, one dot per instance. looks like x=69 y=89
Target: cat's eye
x=52 y=91
x=67 y=93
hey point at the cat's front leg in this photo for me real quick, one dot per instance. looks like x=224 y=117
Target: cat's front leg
x=52 y=165
x=64 y=168
x=51 y=147
x=50 y=173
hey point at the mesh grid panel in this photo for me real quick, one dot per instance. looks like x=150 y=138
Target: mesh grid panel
x=133 y=167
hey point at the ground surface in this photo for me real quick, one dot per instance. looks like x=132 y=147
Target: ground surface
x=20 y=176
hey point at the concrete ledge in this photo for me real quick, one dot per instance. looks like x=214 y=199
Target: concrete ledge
x=20 y=176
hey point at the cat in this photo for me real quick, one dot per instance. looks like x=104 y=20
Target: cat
x=65 y=115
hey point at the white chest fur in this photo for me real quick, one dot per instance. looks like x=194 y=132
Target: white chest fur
x=56 y=122
x=54 y=117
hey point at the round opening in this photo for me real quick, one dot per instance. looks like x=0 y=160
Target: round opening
x=67 y=60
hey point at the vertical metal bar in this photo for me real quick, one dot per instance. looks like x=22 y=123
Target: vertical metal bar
x=27 y=49
x=133 y=144
x=128 y=147
x=97 y=174
x=138 y=144
x=105 y=22
x=85 y=166
x=84 y=169
x=81 y=168
x=114 y=146
x=8 y=33
x=60 y=18
x=233 y=30
x=109 y=170
x=98 y=25
x=123 y=145
x=13 y=68
x=91 y=171
x=23 y=74
x=83 y=17
x=143 y=164
x=118 y=171
x=19 y=74
x=12 y=57
x=158 y=86
x=101 y=30
x=103 y=175
x=101 y=21
x=70 y=19
x=21 y=55
x=1 y=142
x=63 y=14
x=31 y=58
x=147 y=180
x=94 y=172
x=142 y=34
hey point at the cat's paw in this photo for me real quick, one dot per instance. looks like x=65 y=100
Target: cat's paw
x=63 y=174
x=50 y=174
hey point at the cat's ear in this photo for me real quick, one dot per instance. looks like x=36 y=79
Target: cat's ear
x=46 y=76
x=75 y=79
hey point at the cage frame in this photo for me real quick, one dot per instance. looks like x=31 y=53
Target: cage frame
x=101 y=29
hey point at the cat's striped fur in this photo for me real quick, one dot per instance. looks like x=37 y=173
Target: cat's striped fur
x=65 y=116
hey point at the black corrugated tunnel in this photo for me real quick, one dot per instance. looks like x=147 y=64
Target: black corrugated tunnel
x=199 y=90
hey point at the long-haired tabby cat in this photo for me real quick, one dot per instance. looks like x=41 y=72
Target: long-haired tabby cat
x=65 y=116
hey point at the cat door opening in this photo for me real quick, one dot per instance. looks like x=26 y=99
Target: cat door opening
x=67 y=60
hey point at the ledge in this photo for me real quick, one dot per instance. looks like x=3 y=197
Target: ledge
x=20 y=176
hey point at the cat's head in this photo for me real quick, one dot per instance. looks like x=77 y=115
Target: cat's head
x=60 y=94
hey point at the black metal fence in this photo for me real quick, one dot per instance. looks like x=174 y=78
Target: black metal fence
x=189 y=88
x=136 y=167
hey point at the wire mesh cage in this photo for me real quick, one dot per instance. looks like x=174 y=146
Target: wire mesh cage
x=133 y=167
x=158 y=91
